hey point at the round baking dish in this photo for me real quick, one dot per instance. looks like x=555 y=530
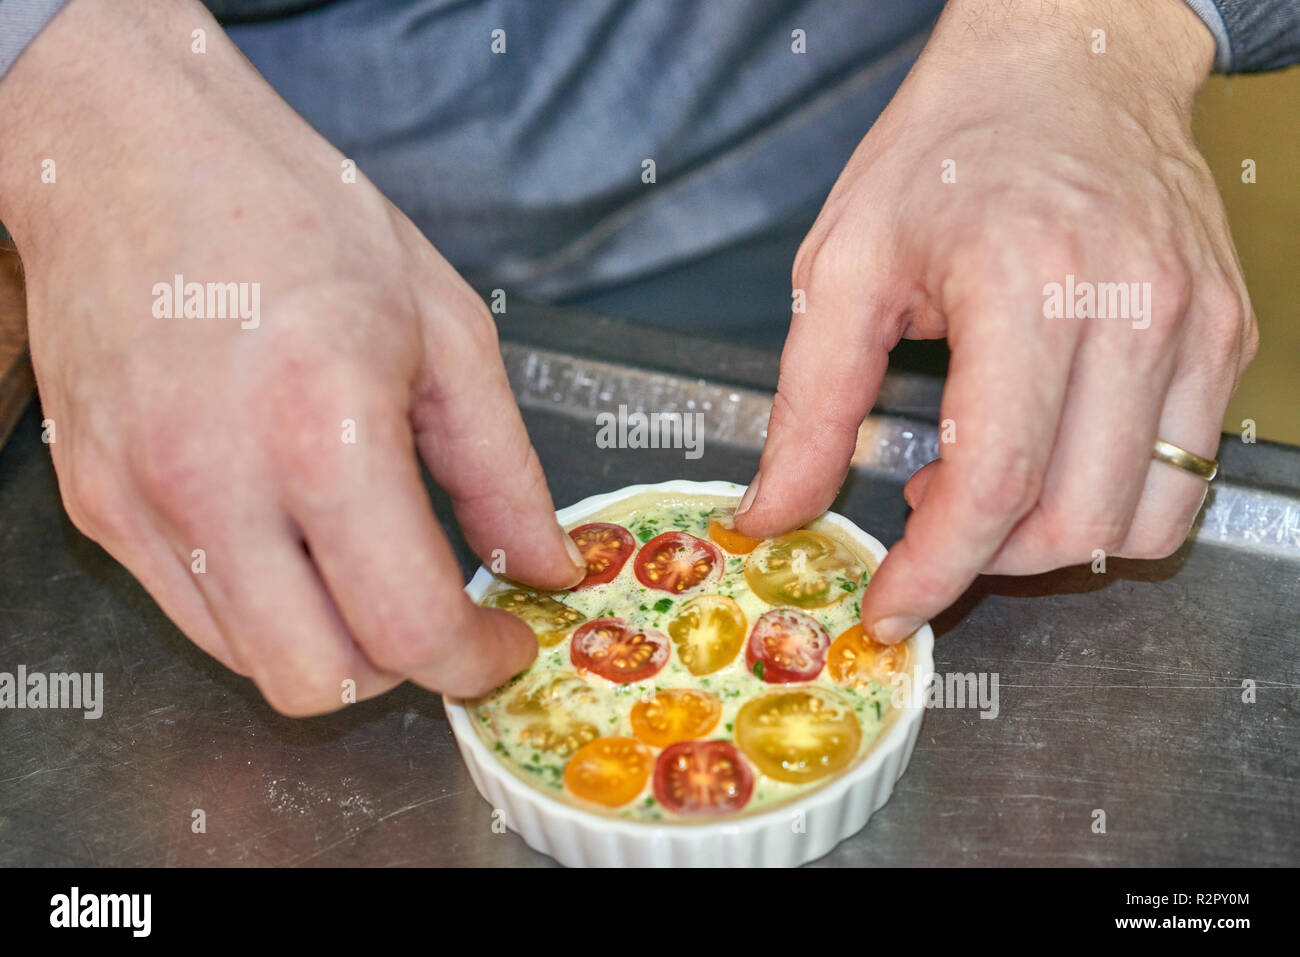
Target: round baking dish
x=792 y=833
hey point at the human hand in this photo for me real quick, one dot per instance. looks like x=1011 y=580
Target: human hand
x=1067 y=162
x=323 y=561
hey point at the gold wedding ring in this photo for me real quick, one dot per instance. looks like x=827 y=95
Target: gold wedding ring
x=1187 y=461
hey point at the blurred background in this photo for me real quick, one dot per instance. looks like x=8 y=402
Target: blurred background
x=1242 y=117
x=1258 y=117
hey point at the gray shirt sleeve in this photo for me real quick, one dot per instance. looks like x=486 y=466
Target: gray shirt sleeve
x=1252 y=35
x=20 y=21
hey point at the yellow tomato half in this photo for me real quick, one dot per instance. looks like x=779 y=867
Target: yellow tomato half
x=548 y=700
x=708 y=633
x=550 y=620
x=798 y=734
x=805 y=569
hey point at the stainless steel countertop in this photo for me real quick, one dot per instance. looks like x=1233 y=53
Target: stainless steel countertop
x=1119 y=692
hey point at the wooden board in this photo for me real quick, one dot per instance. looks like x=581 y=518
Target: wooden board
x=16 y=380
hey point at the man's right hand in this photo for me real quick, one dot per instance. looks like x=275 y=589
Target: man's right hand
x=322 y=560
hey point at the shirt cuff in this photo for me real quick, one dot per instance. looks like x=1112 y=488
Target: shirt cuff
x=1210 y=16
x=20 y=21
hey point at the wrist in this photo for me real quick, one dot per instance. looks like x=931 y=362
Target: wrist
x=1151 y=54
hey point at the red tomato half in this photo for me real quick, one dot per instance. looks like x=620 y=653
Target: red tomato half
x=675 y=562
x=790 y=644
x=703 y=777
x=613 y=649
x=605 y=547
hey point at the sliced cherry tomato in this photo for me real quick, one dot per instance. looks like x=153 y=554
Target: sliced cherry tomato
x=708 y=632
x=722 y=529
x=790 y=645
x=703 y=777
x=798 y=734
x=613 y=649
x=675 y=562
x=550 y=620
x=545 y=692
x=609 y=771
x=560 y=733
x=675 y=714
x=854 y=659
x=548 y=700
x=606 y=548
x=802 y=568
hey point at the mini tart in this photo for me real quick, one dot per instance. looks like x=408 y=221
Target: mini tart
x=696 y=682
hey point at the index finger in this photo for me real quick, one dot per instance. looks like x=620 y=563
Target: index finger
x=365 y=515
x=831 y=368
x=1002 y=404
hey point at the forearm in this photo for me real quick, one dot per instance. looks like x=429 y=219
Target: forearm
x=110 y=91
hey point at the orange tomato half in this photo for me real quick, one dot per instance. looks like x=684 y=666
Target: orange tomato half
x=855 y=659
x=676 y=714
x=609 y=771
x=722 y=529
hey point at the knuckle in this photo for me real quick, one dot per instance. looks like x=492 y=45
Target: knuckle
x=172 y=468
x=1250 y=340
x=1005 y=485
x=1069 y=539
x=1171 y=287
x=817 y=261
x=400 y=647
x=85 y=497
x=481 y=327
x=1055 y=253
x=1229 y=337
x=823 y=419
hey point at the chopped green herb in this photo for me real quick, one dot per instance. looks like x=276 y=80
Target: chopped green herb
x=728 y=725
x=758 y=669
x=878 y=711
x=663 y=604
x=500 y=747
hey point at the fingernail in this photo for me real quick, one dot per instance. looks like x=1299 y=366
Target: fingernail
x=890 y=631
x=907 y=497
x=747 y=499
x=575 y=555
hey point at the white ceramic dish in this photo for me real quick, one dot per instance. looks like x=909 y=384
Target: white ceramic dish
x=793 y=833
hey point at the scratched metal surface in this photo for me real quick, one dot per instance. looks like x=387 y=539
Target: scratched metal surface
x=1119 y=692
